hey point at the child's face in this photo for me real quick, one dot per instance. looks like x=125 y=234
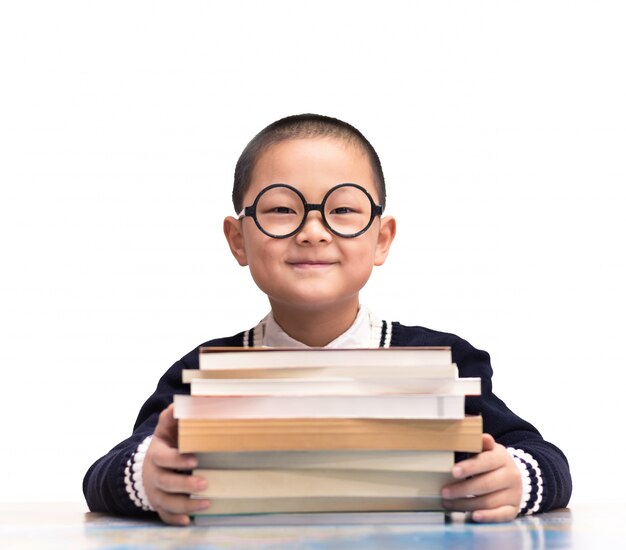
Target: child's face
x=314 y=268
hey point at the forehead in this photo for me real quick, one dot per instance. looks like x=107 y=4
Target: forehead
x=312 y=165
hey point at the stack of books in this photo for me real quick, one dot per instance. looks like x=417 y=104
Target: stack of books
x=288 y=431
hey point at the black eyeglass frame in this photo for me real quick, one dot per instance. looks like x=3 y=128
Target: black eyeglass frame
x=250 y=211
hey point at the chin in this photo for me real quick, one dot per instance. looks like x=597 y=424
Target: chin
x=313 y=301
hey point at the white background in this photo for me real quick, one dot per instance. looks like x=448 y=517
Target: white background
x=502 y=131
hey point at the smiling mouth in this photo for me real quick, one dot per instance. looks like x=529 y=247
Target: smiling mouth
x=311 y=265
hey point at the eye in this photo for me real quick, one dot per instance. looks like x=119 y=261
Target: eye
x=281 y=210
x=342 y=210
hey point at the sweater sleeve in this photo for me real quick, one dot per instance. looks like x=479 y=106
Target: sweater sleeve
x=550 y=483
x=109 y=484
x=105 y=484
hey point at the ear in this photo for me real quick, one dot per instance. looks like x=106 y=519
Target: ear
x=234 y=236
x=386 y=234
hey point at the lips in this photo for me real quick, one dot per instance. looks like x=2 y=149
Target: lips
x=310 y=263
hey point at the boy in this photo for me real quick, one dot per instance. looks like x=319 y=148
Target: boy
x=309 y=192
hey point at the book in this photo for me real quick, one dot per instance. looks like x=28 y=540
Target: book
x=320 y=406
x=334 y=386
x=322 y=518
x=294 y=434
x=285 y=431
x=408 y=461
x=361 y=372
x=320 y=483
x=321 y=504
x=239 y=358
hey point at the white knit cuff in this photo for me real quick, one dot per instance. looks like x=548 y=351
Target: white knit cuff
x=133 y=477
x=532 y=481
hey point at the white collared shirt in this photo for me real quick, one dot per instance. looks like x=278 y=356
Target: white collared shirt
x=363 y=333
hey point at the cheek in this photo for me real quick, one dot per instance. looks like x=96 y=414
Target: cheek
x=262 y=273
x=361 y=260
x=361 y=253
x=263 y=256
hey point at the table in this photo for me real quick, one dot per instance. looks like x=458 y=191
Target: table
x=69 y=526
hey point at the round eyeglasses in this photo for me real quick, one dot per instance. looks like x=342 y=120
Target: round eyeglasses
x=280 y=210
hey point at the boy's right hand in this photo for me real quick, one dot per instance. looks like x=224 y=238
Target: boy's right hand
x=168 y=490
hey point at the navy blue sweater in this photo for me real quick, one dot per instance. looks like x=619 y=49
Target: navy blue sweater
x=104 y=485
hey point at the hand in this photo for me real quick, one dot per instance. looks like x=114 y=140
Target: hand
x=168 y=490
x=489 y=486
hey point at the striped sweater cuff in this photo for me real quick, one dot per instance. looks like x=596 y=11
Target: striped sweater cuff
x=532 y=481
x=133 y=477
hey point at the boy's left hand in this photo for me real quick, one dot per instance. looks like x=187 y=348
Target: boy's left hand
x=489 y=486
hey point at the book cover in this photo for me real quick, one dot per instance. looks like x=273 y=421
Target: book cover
x=322 y=483
x=238 y=357
x=415 y=461
x=322 y=518
x=333 y=386
x=319 y=406
x=361 y=372
x=321 y=504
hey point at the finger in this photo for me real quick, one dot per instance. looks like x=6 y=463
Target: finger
x=171 y=482
x=164 y=456
x=180 y=504
x=498 y=515
x=481 y=463
x=167 y=426
x=488 y=442
x=181 y=520
x=489 y=501
x=494 y=480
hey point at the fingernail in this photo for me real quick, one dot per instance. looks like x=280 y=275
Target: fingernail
x=201 y=484
x=192 y=462
x=446 y=493
x=477 y=516
x=457 y=471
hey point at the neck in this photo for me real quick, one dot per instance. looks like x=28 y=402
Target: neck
x=316 y=328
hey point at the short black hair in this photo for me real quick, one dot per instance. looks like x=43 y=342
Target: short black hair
x=301 y=127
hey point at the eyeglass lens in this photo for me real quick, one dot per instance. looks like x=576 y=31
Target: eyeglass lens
x=347 y=210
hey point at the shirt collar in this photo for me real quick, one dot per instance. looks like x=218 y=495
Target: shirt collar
x=359 y=335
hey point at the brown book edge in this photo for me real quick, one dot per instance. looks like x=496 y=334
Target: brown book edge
x=463 y=435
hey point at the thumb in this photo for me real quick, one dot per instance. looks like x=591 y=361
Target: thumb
x=489 y=443
x=167 y=427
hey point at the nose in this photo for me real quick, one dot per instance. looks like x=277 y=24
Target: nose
x=314 y=230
